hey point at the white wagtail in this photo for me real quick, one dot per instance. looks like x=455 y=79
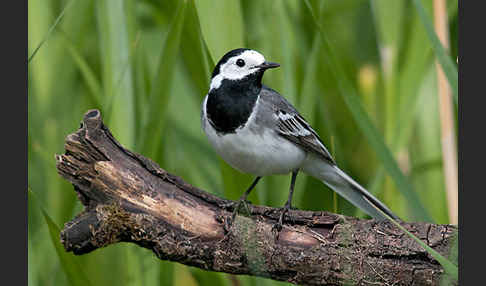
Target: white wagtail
x=257 y=131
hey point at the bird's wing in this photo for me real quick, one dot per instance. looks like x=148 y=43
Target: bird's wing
x=295 y=128
x=290 y=124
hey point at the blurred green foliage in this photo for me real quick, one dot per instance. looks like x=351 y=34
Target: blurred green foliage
x=360 y=71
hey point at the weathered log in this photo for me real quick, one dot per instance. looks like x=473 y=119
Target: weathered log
x=129 y=198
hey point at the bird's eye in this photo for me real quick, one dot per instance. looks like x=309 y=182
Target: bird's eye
x=240 y=63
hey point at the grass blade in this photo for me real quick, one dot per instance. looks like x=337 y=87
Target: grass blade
x=193 y=51
x=449 y=68
x=415 y=57
x=56 y=22
x=87 y=73
x=221 y=25
x=117 y=74
x=73 y=271
x=154 y=121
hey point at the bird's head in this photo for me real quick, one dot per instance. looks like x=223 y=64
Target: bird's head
x=239 y=65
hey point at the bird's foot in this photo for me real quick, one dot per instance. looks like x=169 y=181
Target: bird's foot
x=236 y=209
x=278 y=226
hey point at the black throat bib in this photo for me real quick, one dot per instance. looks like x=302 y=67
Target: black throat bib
x=229 y=106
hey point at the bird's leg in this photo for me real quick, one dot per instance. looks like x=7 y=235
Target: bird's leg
x=288 y=204
x=243 y=201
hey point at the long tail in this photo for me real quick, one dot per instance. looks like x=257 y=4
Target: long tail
x=345 y=186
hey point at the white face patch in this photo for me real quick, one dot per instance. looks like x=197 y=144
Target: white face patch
x=238 y=67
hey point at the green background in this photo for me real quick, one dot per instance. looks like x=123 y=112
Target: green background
x=361 y=72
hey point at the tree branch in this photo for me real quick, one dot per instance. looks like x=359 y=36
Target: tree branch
x=128 y=197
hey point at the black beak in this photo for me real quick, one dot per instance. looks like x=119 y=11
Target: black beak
x=268 y=65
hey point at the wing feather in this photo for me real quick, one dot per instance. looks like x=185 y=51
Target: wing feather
x=296 y=129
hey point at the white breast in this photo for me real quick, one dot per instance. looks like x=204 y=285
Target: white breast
x=260 y=153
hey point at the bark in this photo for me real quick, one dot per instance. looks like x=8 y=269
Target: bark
x=129 y=198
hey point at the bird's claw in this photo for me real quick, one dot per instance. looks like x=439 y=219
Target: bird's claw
x=278 y=226
x=236 y=205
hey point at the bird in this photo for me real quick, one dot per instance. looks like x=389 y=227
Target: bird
x=257 y=131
